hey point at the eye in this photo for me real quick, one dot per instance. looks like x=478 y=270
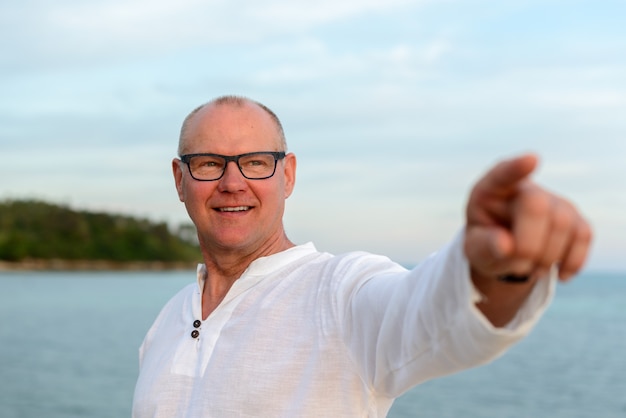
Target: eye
x=203 y=162
x=256 y=161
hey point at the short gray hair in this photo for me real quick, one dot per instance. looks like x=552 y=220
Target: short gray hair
x=237 y=101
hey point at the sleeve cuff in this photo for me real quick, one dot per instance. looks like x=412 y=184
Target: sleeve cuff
x=528 y=315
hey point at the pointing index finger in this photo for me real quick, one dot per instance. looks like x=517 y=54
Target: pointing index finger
x=508 y=173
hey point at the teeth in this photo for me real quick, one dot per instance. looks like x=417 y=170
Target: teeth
x=235 y=209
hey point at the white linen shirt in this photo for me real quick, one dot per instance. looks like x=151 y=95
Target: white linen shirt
x=308 y=334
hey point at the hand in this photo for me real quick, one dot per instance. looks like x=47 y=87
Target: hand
x=516 y=227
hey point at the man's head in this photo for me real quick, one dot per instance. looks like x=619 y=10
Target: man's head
x=234 y=213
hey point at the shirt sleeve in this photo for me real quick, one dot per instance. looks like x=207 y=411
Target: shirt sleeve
x=404 y=327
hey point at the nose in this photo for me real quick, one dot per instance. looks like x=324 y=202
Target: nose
x=232 y=180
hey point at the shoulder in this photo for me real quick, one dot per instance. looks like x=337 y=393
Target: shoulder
x=362 y=264
x=348 y=264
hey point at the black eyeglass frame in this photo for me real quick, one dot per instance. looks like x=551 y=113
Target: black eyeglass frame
x=278 y=155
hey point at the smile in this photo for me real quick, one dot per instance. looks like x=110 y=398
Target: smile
x=234 y=209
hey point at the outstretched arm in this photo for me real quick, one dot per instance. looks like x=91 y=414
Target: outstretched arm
x=515 y=227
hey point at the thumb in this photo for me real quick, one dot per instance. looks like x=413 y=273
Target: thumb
x=487 y=248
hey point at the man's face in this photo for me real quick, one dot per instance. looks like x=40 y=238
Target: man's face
x=235 y=213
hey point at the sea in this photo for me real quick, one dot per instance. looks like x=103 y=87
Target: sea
x=69 y=341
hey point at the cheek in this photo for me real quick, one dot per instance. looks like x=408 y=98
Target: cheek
x=195 y=195
x=271 y=197
x=278 y=198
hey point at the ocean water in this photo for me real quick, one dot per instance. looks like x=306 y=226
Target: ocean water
x=68 y=348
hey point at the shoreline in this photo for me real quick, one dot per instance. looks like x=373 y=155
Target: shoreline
x=94 y=265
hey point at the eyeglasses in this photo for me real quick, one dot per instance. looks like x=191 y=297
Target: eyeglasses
x=253 y=165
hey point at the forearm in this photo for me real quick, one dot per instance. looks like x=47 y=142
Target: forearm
x=429 y=324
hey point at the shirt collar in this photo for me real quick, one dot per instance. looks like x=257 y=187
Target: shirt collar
x=264 y=265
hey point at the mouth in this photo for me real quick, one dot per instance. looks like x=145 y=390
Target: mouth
x=234 y=209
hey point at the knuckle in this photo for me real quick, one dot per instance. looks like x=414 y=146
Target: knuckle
x=550 y=253
x=536 y=202
x=571 y=266
x=520 y=267
x=563 y=218
x=528 y=250
x=577 y=256
x=584 y=232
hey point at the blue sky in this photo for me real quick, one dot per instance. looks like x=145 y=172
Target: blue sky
x=393 y=107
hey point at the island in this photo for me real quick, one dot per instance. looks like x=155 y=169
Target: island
x=38 y=235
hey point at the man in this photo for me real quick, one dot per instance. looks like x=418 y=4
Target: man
x=272 y=329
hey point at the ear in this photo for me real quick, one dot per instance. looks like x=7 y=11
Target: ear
x=289 y=163
x=177 y=169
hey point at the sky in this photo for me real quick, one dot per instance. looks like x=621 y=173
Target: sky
x=394 y=108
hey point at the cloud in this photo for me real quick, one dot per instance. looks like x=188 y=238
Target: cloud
x=37 y=35
x=392 y=107
x=593 y=100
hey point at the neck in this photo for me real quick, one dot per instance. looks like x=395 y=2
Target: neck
x=225 y=266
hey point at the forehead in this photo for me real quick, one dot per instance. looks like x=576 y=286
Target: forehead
x=231 y=129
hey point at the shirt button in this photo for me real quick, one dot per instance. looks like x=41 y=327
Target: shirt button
x=197 y=323
x=195 y=333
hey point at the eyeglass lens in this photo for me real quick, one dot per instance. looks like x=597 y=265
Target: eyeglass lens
x=252 y=166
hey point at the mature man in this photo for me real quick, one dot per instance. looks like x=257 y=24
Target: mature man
x=272 y=329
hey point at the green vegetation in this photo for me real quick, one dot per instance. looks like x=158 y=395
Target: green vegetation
x=31 y=229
